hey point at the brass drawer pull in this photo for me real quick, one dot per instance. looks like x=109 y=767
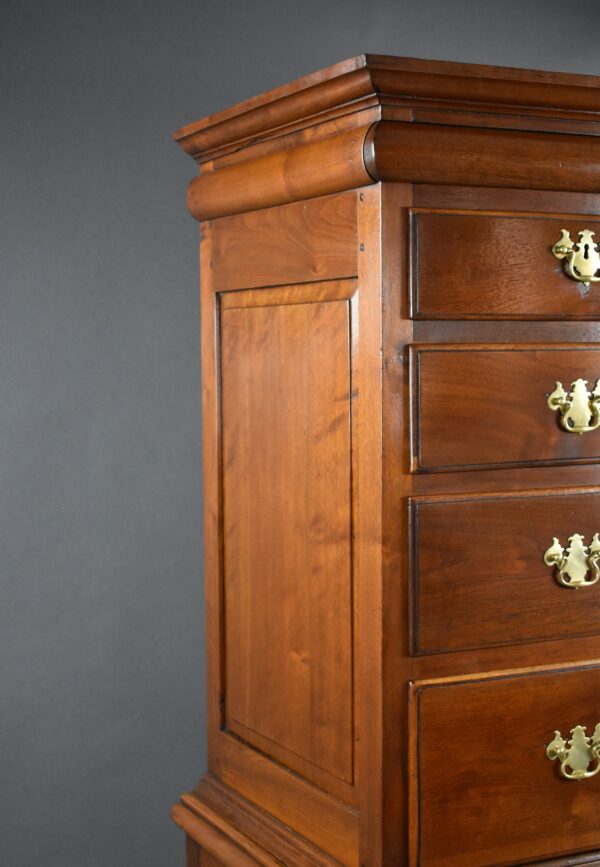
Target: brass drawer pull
x=582 y=258
x=580 y=409
x=574 y=565
x=576 y=755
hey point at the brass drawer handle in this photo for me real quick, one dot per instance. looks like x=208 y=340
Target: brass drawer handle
x=579 y=409
x=574 y=565
x=577 y=755
x=582 y=258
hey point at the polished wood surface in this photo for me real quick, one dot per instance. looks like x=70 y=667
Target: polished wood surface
x=508 y=200
x=507 y=256
x=487 y=406
x=314 y=240
x=234 y=831
x=483 y=768
x=287 y=528
x=484 y=554
x=426 y=86
x=220 y=842
x=241 y=764
x=382 y=322
x=281 y=176
x=438 y=154
x=367 y=481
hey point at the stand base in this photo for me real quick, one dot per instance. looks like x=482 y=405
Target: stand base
x=225 y=830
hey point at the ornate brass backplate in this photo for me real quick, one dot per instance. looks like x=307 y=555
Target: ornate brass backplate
x=582 y=258
x=576 y=755
x=577 y=562
x=580 y=409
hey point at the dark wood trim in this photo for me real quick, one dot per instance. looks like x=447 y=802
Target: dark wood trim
x=548 y=203
x=422 y=85
x=422 y=752
x=417 y=153
x=444 y=154
x=566 y=625
x=415 y=354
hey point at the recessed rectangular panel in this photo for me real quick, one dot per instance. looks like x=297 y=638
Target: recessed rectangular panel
x=478 y=571
x=486 y=791
x=494 y=266
x=487 y=406
x=287 y=529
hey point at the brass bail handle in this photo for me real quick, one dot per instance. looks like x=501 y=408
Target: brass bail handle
x=576 y=563
x=577 y=754
x=582 y=257
x=579 y=408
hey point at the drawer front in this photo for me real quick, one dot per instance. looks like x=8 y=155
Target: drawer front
x=487 y=406
x=485 y=791
x=478 y=574
x=487 y=266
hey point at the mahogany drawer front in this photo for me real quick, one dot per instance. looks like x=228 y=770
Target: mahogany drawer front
x=485 y=791
x=486 y=406
x=478 y=576
x=490 y=266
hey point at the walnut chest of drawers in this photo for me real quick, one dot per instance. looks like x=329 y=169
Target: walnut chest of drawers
x=400 y=353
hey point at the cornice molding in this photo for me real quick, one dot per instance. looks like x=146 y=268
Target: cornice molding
x=436 y=154
x=380 y=80
x=329 y=165
x=375 y=118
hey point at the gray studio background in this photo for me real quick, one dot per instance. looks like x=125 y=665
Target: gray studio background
x=101 y=671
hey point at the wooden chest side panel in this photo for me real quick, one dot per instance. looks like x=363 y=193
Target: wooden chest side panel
x=311 y=240
x=287 y=529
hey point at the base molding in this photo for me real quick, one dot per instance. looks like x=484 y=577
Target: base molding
x=232 y=830
x=226 y=830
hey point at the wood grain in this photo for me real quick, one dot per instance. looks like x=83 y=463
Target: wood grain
x=286 y=385
x=432 y=154
x=397 y=332
x=285 y=795
x=483 y=769
x=282 y=176
x=507 y=258
x=222 y=846
x=226 y=806
x=457 y=88
x=284 y=106
x=509 y=200
x=323 y=819
x=478 y=571
x=313 y=240
x=387 y=653
x=487 y=406
x=368 y=486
